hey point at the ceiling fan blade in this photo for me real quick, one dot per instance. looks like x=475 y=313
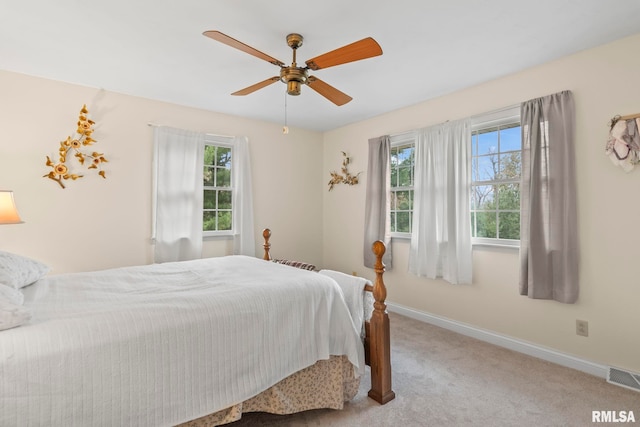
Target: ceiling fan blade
x=255 y=87
x=229 y=41
x=328 y=91
x=363 y=49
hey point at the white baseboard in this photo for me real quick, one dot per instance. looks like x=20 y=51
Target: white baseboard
x=503 y=341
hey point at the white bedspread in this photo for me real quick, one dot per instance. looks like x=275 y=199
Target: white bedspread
x=353 y=292
x=163 y=344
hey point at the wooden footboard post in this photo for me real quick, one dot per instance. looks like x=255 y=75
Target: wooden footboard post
x=266 y=233
x=380 y=342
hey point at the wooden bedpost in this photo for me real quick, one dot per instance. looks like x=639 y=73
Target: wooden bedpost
x=380 y=342
x=266 y=233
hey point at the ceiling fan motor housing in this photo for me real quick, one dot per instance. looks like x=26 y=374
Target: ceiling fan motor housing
x=294 y=77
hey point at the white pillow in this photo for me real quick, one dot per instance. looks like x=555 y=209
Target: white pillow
x=11 y=295
x=17 y=271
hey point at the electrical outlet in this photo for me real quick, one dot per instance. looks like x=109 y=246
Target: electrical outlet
x=582 y=328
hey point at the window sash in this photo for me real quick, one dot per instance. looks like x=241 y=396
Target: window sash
x=220 y=212
x=498 y=121
x=400 y=213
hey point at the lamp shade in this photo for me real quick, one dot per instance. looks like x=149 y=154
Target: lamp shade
x=8 y=211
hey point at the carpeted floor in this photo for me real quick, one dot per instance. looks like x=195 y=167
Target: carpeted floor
x=445 y=379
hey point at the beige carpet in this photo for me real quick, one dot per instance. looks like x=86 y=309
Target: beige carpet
x=445 y=379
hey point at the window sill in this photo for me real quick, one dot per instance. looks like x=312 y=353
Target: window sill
x=217 y=236
x=483 y=245
x=479 y=245
x=401 y=236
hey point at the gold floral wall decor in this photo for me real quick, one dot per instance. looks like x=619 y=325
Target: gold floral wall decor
x=346 y=177
x=78 y=144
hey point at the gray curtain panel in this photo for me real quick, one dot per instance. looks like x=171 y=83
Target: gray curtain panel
x=548 y=222
x=377 y=220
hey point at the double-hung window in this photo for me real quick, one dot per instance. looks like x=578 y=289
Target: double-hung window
x=495 y=169
x=218 y=193
x=402 y=168
x=495 y=179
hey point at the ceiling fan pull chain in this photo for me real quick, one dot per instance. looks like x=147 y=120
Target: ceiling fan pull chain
x=285 y=128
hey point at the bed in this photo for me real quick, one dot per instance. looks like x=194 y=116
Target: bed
x=192 y=343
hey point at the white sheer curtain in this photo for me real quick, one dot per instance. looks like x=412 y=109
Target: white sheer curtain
x=377 y=220
x=242 y=199
x=441 y=230
x=548 y=207
x=178 y=165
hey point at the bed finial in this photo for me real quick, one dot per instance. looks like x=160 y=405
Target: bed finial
x=266 y=234
x=380 y=339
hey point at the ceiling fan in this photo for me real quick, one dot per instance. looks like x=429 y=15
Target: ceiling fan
x=295 y=76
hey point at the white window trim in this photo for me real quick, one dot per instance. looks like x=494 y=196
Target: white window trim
x=500 y=117
x=227 y=142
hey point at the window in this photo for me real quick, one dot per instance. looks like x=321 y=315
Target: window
x=217 y=197
x=495 y=187
x=402 y=161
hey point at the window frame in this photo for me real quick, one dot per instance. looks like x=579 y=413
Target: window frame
x=400 y=140
x=224 y=142
x=504 y=117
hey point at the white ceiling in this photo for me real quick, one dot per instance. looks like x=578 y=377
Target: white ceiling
x=155 y=48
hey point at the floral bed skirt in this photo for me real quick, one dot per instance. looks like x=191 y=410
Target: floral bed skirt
x=326 y=384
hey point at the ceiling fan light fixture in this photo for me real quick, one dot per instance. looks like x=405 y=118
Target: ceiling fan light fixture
x=294 y=87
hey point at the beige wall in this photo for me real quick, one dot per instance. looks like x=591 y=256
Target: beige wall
x=96 y=223
x=605 y=83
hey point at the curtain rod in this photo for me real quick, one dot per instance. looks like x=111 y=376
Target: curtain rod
x=630 y=116
x=497 y=110
x=396 y=135
x=206 y=133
